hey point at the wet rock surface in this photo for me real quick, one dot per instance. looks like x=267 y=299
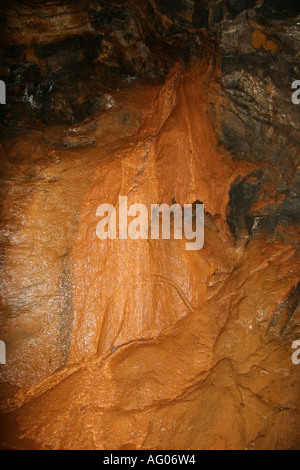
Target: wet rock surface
x=140 y=344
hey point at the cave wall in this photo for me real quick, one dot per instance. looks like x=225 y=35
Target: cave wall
x=141 y=344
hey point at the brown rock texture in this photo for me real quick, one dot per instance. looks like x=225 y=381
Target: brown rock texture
x=141 y=344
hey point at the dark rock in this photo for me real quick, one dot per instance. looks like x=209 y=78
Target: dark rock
x=254 y=188
x=236 y=6
x=276 y=9
x=200 y=15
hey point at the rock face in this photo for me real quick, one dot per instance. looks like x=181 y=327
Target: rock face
x=141 y=344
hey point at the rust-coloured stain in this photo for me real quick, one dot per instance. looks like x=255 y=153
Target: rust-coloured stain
x=261 y=40
x=152 y=347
